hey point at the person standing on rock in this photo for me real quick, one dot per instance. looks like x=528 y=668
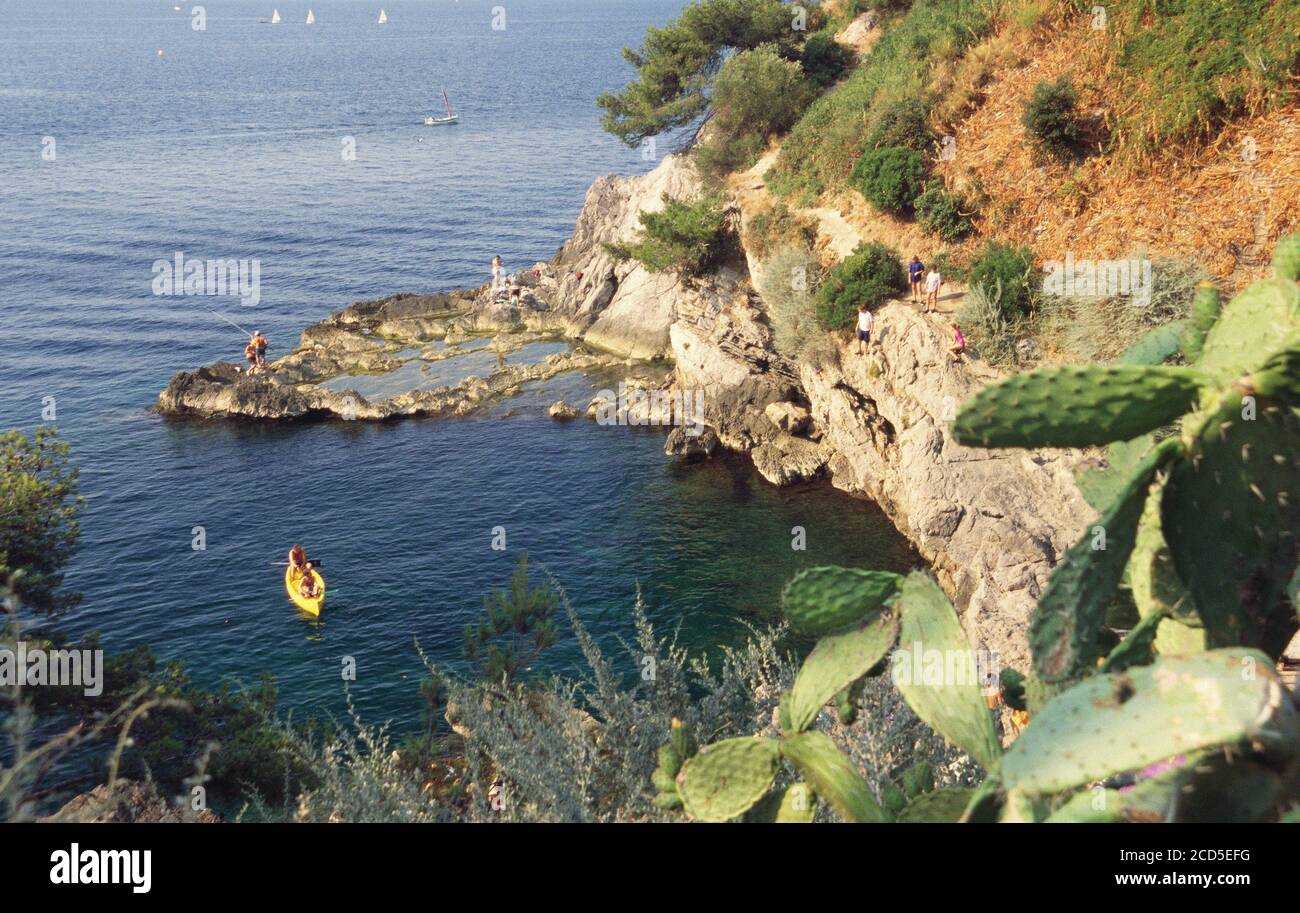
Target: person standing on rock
x=916 y=275
x=496 y=274
x=865 y=322
x=933 y=283
x=260 y=343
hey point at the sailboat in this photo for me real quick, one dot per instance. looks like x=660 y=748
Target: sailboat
x=311 y=17
x=274 y=20
x=447 y=118
x=383 y=17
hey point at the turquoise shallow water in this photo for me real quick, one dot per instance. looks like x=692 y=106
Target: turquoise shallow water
x=228 y=145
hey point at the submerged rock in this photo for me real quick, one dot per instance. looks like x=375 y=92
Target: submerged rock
x=562 y=411
x=683 y=445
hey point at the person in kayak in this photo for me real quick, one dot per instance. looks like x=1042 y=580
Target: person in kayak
x=307 y=585
x=297 y=559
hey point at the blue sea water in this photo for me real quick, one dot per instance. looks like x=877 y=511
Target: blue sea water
x=229 y=142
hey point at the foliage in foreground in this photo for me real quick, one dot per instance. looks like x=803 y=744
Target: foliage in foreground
x=39 y=507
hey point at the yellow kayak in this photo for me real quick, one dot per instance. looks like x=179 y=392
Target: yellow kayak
x=312 y=606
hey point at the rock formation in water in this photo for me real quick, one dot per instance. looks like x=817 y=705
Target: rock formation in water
x=991 y=523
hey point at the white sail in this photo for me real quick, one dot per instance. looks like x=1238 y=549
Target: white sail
x=311 y=17
x=383 y=17
x=275 y=16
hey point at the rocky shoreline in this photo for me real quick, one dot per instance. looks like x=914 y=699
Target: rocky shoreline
x=992 y=524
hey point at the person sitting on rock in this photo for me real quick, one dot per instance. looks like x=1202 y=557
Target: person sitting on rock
x=958 y=343
x=297 y=559
x=865 y=322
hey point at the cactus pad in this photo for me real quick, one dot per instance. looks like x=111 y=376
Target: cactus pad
x=1075 y=406
x=724 y=779
x=829 y=772
x=952 y=705
x=835 y=663
x=917 y=779
x=1113 y=723
x=1286 y=258
x=820 y=600
x=794 y=804
x=1156 y=346
x=1206 y=305
x=1100 y=487
x=942 y=806
x=1065 y=632
x=1230 y=513
x=1254 y=324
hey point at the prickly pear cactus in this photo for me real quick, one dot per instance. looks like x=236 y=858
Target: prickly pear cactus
x=726 y=778
x=1206 y=305
x=942 y=806
x=834 y=664
x=944 y=691
x=821 y=600
x=1231 y=512
x=1065 y=632
x=829 y=772
x=681 y=747
x=1156 y=346
x=1254 y=324
x=1113 y=723
x=1076 y=406
x=793 y=804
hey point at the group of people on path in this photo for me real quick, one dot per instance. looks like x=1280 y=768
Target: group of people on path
x=925 y=284
x=300 y=569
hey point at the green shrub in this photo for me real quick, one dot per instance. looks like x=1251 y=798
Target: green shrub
x=824 y=59
x=756 y=95
x=941 y=213
x=39 y=518
x=1051 y=117
x=902 y=123
x=1007 y=272
x=676 y=64
x=871 y=275
x=820 y=149
x=890 y=178
x=787 y=281
x=685 y=238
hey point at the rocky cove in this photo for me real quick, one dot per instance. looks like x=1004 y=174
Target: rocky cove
x=991 y=523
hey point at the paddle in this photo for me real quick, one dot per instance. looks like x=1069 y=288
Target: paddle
x=314 y=563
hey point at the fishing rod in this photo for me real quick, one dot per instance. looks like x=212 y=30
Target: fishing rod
x=227 y=320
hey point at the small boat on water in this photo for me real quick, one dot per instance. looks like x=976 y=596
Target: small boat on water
x=310 y=606
x=274 y=20
x=448 y=117
x=311 y=17
x=383 y=17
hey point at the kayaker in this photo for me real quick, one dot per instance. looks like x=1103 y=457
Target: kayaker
x=307 y=585
x=297 y=559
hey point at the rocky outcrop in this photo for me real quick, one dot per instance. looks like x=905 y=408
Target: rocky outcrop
x=992 y=523
x=126 y=802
